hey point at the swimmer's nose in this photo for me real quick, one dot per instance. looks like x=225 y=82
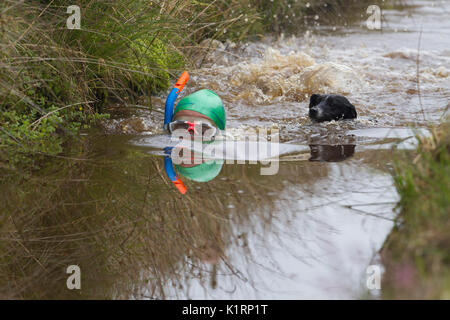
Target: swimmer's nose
x=313 y=111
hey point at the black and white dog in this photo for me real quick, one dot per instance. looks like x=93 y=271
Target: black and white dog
x=327 y=107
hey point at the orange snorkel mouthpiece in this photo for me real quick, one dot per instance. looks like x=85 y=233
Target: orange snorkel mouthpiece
x=182 y=80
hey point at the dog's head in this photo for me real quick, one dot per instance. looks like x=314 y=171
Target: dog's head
x=327 y=107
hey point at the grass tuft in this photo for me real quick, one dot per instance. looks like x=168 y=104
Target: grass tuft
x=416 y=253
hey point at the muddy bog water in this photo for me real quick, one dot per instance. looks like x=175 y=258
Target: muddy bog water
x=309 y=231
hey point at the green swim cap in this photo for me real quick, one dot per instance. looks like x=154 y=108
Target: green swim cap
x=207 y=103
x=204 y=172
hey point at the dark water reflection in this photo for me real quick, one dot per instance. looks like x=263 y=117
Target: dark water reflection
x=331 y=153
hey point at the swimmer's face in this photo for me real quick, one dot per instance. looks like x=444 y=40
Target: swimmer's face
x=204 y=126
x=192 y=116
x=193 y=120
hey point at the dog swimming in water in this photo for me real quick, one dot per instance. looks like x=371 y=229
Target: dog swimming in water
x=327 y=107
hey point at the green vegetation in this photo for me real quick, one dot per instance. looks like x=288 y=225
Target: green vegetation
x=416 y=254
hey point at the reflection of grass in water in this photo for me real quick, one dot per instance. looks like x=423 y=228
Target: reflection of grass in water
x=118 y=218
x=416 y=254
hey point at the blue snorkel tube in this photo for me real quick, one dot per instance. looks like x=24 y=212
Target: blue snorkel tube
x=173 y=95
x=168 y=113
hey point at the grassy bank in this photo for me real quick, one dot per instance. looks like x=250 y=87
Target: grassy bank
x=416 y=254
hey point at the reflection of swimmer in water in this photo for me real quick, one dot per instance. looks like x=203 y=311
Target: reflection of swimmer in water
x=201 y=113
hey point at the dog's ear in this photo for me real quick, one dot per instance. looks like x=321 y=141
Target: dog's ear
x=314 y=100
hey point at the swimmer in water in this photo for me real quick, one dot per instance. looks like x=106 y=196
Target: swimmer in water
x=201 y=114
